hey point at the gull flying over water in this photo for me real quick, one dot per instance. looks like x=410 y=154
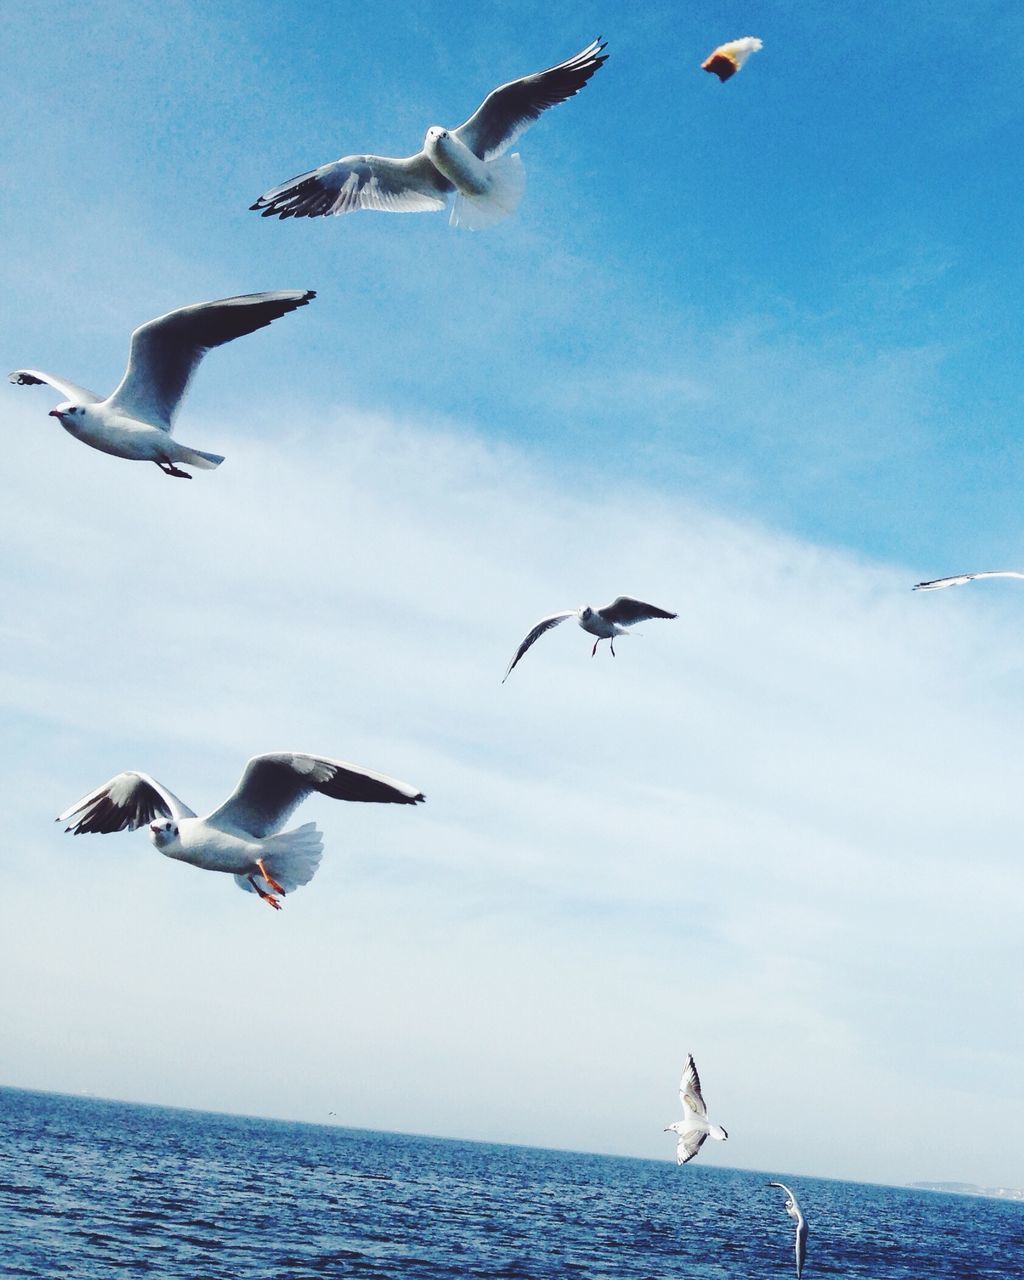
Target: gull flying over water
x=727 y=59
x=242 y=837
x=959 y=579
x=695 y=1126
x=468 y=161
x=136 y=420
x=606 y=623
x=793 y=1209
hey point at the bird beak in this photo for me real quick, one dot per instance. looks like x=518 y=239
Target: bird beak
x=54 y=413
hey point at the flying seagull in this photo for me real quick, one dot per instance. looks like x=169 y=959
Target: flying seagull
x=695 y=1126
x=607 y=623
x=793 y=1209
x=243 y=837
x=136 y=420
x=728 y=58
x=468 y=161
x=959 y=579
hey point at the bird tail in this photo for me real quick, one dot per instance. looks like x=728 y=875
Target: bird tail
x=196 y=458
x=507 y=184
x=291 y=858
x=717 y=1132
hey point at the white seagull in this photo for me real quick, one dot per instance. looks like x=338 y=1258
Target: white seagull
x=468 y=161
x=243 y=836
x=793 y=1209
x=136 y=420
x=695 y=1126
x=727 y=59
x=606 y=623
x=959 y=579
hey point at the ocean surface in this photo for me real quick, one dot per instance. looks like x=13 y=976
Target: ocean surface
x=92 y=1189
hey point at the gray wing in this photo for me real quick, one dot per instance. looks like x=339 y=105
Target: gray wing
x=127 y=801
x=624 y=611
x=166 y=352
x=33 y=378
x=689 y=1089
x=409 y=185
x=507 y=112
x=801 y=1243
x=938 y=583
x=545 y=624
x=689 y=1144
x=272 y=787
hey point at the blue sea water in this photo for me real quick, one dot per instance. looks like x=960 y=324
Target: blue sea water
x=92 y=1189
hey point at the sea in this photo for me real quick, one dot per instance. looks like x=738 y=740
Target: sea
x=92 y=1189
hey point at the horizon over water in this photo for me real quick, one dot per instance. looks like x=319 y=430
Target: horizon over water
x=95 y=1188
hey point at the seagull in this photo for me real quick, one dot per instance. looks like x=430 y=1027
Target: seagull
x=469 y=160
x=243 y=836
x=136 y=420
x=793 y=1209
x=694 y=1126
x=606 y=623
x=728 y=58
x=959 y=579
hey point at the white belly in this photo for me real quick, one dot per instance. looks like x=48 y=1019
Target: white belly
x=459 y=165
x=121 y=437
x=204 y=846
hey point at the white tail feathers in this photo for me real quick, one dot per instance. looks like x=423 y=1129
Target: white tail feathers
x=291 y=858
x=508 y=182
x=196 y=458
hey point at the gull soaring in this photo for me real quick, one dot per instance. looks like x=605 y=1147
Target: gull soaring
x=793 y=1209
x=468 y=161
x=606 y=623
x=136 y=420
x=727 y=59
x=243 y=836
x=937 y=584
x=695 y=1126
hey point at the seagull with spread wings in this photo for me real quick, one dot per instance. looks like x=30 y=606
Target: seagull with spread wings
x=612 y=620
x=469 y=161
x=695 y=1126
x=242 y=837
x=937 y=584
x=793 y=1209
x=136 y=420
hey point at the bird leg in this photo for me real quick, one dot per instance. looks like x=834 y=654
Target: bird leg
x=169 y=469
x=611 y=642
x=596 y=643
x=269 y=878
x=268 y=898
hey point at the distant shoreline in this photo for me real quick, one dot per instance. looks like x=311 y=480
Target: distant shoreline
x=970 y=1189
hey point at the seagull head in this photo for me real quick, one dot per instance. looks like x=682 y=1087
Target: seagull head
x=435 y=136
x=585 y=612
x=65 y=410
x=163 y=831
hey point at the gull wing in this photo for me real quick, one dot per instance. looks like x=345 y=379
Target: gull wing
x=624 y=611
x=937 y=584
x=33 y=378
x=408 y=185
x=545 y=624
x=127 y=801
x=689 y=1090
x=727 y=59
x=508 y=111
x=689 y=1144
x=166 y=352
x=272 y=787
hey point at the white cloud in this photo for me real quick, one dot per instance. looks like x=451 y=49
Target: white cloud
x=779 y=832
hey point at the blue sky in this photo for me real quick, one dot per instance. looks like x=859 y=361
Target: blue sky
x=748 y=350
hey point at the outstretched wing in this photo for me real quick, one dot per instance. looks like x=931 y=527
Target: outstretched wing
x=33 y=378
x=689 y=1144
x=625 y=611
x=507 y=112
x=409 y=185
x=272 y=786
x=545 y=624
x=127 y=801
x=937 y=584
x=166 y=352
x=689 y=1090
